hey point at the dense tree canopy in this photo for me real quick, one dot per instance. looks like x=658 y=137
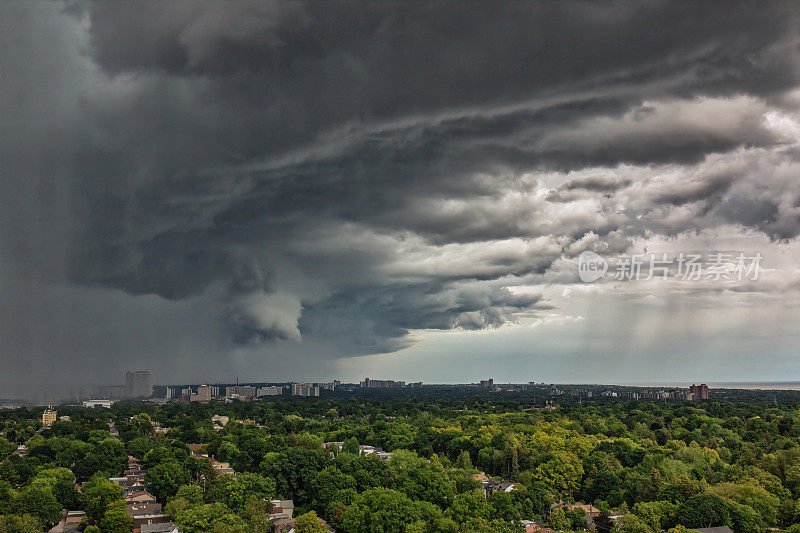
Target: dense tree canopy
x=657 y=466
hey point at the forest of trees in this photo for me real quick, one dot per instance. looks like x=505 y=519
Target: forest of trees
x=656 y=466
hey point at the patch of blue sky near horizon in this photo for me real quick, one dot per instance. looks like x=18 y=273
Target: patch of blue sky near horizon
x=626 y=331
x=575 y=351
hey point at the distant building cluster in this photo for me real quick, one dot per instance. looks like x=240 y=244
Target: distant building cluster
x=693 y=393
x=699 y=392
x=304 y=389
x=382 y=384
x=208 y=393
x=137 y=385
x=673 y=394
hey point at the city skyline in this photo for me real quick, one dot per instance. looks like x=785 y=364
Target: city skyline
x=578 y=193
x=216 y=390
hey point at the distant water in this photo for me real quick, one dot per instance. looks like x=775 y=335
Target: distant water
x=752 y=385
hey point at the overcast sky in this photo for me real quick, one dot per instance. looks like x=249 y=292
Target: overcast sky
x=331 y=190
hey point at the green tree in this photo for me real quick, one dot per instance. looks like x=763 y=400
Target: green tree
x=193 y=494
x=20 y=524
x=504 y=506
x=745 y=519
x=681 y=529
x=99 y=492
x=752 y=495
x=61 y=481
x=558 y=520
x=631 y=523
x=602 y=485
x=235 y=490
x=6 y=447
x=291 y=470
x=38 y=500
x=164 y=479
x=139 y=446
x=350 y=446
x=308 y=523
x=469 y=505
x=704 y=510
x=208 y=517
x=327 y=483
x=380 y=511
x=420 y=479
x=479 y=525
x=256 y=514
x=175 y=506
x=563 y=472
x=464 y=461
x=657 y=515
x=116 y=519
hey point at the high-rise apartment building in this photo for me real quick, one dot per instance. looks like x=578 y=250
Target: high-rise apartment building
x=245 y=391
x=382 y=384
x=137 y=384
x=699 y=392
x=204 y=393
x=304 y=389
x=49 y=416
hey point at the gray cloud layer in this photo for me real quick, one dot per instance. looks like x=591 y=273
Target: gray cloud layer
x=340 y=175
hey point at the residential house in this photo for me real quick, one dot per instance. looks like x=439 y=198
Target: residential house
x=141 y=496
x=720 y=529
x=587 y=508
x=490 y=486
x=286 y=525
x=281 y=509
x=161 y=527
x=73 y=520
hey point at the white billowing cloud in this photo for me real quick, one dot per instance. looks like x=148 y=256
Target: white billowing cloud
x=418 y=260
x=676 y=123
x=784 y=124
x=268 y=315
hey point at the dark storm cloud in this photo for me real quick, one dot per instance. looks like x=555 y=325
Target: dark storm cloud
x=387 y=315
x=283 y=73
x=597 y=183
x=696 y=190
x=349 y=173
x=422 y=51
